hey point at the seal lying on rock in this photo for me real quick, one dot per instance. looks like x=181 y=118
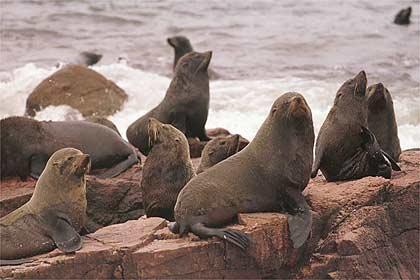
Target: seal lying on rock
x=218 y=149
x=182 y=46
x=88 y=58
x=268 y=175
x=381 y=120
x=403 y=17
x=345 y=148
x=55 y=213
x=26 y=145
x=185 y=105
x=167 y=169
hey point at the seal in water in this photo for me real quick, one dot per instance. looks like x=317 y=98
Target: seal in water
x=403 y=17
x=88 y=58
x=103 y=121
x=218 y=149
x=55 y=213
x=381 y=120
x=268 y=175
x=182 y=46
x=185 y=105
x=345 y=148
x=167 y=169
x=26 y=145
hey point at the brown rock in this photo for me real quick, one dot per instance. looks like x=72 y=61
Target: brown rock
x=80 y=88
x=110 y=201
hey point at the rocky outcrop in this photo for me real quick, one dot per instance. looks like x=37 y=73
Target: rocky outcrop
x=110 y=201
x=368 y=228
x=80 y=88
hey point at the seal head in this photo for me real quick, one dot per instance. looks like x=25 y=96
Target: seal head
x=181 y=46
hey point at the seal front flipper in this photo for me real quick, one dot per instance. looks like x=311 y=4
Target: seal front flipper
x=62 y=232
x=235 y=237
x=299 y=217
x=37 y=165
x=393 y=163
x=120 y=167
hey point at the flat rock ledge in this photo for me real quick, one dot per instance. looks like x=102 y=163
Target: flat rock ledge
x=368 y=228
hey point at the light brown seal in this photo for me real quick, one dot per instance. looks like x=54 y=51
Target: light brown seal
x=185 y=105
x=345 y=148
x=268 y=175
x=218 y=149
x=55 y=213
x=166 y=171
x=381 y=120
x=26 y=145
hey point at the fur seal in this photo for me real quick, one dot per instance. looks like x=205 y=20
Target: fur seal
x=185 y=105
x=268 y=175
x=103 y=121
x=345 y=148
x=166 y=171
x=381 y=120
x=55 y=213
x=26 y=145
x=88 y=58
x=218 y=149
x=403 y=17
x=182 y=46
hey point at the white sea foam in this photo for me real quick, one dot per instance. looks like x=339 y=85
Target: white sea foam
x=238 y=105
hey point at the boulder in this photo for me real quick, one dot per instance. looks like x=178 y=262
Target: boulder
x=80 y=88
x=367 y=228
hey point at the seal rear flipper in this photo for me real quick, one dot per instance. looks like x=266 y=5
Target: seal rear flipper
x=37 y=165
x=120 y=167
x=15 y=262
x=234 y=237
x=393 y=163
x=299 y=217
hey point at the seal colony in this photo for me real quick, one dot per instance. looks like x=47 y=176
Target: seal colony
x=55 y=213
x=185 y=105
x=26 y=145
x=268 y=175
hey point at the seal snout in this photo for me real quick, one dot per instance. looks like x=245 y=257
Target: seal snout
x=298 y=107
x=153 y=129
x=82 y=163
x=171 y=42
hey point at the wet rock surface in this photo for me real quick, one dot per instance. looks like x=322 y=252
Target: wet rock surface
x=368 y=228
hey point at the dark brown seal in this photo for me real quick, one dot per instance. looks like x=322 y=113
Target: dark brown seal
x=182 y=46
x=345 y=148
x=268 y=175
x=88 y=58
x=55 y=213
x=166 y=171
x=218 y=149
x=185 y=105
x=103 y=121
x=381 y=120
x=403 y=17
x=26 y=145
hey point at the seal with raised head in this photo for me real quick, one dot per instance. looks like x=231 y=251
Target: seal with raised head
x=54 y=215
x=218 y=149
x=345 y=148
x=269 y=174
x=167 y=169
x=381 y=120
x=26 y=145
x=185 y=105
x=403 y=17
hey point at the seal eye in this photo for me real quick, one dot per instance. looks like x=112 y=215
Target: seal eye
x=273 y=110
x=70 y=158
x=339 y=95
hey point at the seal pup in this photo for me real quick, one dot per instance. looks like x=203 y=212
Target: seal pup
x=403 y=17
x=55 y=213
x=182 y=46
x=218 y=149
x=166 y=171
x=88 y=58
x=26 y=145
x=103 y=121
x=345 y=148
x=185 y=105
x=269 y=174
x=381 y=119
